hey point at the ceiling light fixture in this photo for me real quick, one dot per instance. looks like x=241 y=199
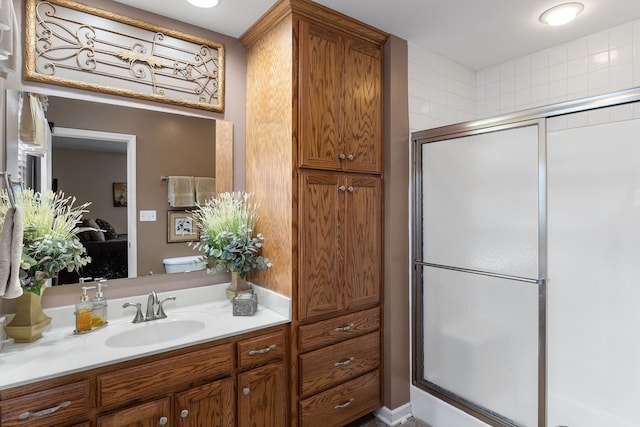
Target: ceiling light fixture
x=204 y=3
x=561 y=14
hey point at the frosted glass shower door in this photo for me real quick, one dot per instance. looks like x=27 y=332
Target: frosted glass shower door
x=479 y=271
x=480 y=202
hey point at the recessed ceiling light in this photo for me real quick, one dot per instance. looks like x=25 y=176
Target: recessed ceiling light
x=561 y=14
x=204 y=3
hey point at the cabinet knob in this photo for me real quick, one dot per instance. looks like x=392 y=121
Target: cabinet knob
x=350 y=157
x=342 y=188
x=246 y=391
x=341 y=156
x=350 y=189
x=163 y=421
x=184 y=413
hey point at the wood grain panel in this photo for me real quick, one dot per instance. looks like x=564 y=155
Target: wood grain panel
x=337 y=329
x=224 y=156
x=262 y=397
x=342 y=404
x=76 y=394
x=329 y=366
x=362 y=124
x=363 y=225
x=320 y=80
x=321 y=257
x=211 y=404
x=262 y=349
x=131 y=383
x=144 y=415
x=270 y=151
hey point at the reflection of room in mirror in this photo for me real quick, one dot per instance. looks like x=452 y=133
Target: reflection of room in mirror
x=165 y=143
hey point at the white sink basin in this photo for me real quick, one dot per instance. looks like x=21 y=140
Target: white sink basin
x=154 y=332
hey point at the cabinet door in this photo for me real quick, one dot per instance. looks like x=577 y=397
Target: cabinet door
x=321 y=242
x=319 y=97
x=362 y=115
x=208 y=405
x=151 y=414
x=262 y=397
x=363 y=240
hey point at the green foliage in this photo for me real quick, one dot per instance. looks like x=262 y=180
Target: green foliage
x=226 y=229
x=50 y=241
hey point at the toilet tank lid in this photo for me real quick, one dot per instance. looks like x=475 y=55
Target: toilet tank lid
x=182 y=260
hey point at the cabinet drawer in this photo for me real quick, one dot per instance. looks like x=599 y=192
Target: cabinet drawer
x=342 y=404
x=326 y=367
x=154 y=377
x=331 y=331
x=261 y=349
x=47 y=407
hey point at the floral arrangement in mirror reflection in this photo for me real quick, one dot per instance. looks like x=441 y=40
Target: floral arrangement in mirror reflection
x=227 y=239
x=50 y=242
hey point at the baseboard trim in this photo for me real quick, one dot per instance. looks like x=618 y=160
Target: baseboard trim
x=394 y=417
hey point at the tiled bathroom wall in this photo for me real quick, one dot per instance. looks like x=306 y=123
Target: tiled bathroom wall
x=443 y=92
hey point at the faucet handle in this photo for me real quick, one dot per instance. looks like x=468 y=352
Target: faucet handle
x=139 y=317
x=161 y=314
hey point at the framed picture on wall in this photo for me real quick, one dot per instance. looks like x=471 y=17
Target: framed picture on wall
x=181 y=227
x=119 y=194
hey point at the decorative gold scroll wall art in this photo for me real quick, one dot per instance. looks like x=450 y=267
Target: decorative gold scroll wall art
x=75 y=45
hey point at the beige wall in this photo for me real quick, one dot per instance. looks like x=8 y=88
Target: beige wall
x=396 y=226
x=88 y=176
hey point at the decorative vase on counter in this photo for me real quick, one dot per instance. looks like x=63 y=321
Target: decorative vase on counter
x=238 y=286
x=30 y=321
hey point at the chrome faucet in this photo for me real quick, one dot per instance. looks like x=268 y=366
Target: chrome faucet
x=152 y=312
x=152 y=301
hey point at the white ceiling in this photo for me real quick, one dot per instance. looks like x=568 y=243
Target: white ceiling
x=475 y=33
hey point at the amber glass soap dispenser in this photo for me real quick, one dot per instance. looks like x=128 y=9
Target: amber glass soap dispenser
x=84 y=312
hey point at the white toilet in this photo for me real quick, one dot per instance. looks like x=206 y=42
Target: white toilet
x=183 y=264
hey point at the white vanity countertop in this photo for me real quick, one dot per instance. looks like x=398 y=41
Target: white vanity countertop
x=60 y=352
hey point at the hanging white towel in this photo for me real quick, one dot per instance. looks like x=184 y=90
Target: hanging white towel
x=181 y=192
x=14 y=289
x=5 y=250
x=205 y=189
x=11 y=253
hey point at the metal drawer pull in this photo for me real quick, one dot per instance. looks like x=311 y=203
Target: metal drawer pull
x=345 y=328
x=184 y=413
x=26 y=415
x=342 y=188
x=262 y=351
x=246 y=391
x=344 y=405
x=344 y=363
x=350 y=157
x=163 y=421
x=341 y=156
x=350 y=189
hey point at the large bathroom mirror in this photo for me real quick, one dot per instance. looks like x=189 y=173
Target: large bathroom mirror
x=115 y=157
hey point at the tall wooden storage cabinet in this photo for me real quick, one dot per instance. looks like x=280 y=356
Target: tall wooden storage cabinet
x=314 y=155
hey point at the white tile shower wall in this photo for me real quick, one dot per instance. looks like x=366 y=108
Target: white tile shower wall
x=441 y=91
x=597 y=64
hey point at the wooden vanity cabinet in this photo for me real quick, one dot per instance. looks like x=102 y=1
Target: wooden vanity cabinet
x=191 y=387
x=57 y=405
x=314 y=160
x=209 y=404
x=340 y=242
x=342 y=128
x=150 y=414
x=262 y=397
